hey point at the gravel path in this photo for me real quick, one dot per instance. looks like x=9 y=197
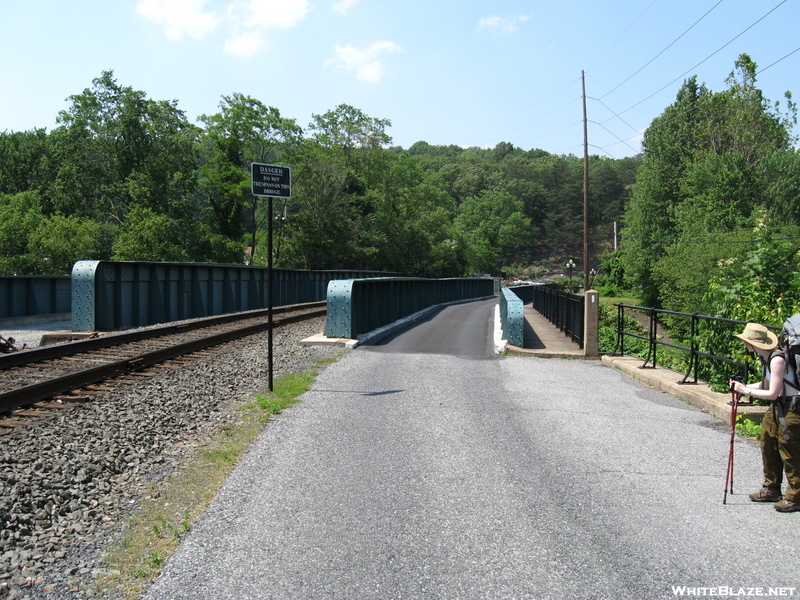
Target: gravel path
x=31 y=335
x=67 y=482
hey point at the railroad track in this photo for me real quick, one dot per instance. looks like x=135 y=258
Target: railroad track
x=41 y=379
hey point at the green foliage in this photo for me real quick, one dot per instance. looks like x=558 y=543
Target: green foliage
x=649 y=224
x=780 y=172
x=762 y=287
x=703 y=180
x=609 y=279
x=491 y=225
x=20 y=216
x=747 y=427
x=608 y=336
x=59 y=242
x=214 y=247
x=23 y=160
x=348 y=130
x=146 y=235
x=32 y=243
x=244 y=131
x=286 y=391
x=132 y=174
x=114 y=149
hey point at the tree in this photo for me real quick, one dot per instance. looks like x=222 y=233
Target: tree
x=163 y=189
x=23 y=161
x=561 y=226
x=20 y=216
x=761 y=286
x=337 y=190
x=700 y=175
x=115 y=149
x=355 y=135
x=411 y=220
x=649 y=224
x=323 y=231
x=147 y=235
x=59 y=242
x=464 y=178
x=780 y=173
x=741 y=122
x=492 y=225
x=244 y=131
x=32 y=243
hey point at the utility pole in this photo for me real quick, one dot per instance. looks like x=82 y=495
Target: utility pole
x=585 y=189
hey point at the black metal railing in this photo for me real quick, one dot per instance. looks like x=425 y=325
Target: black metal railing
x=565 y=311
x=653 y=341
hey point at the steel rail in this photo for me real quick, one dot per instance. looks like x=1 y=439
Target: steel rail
x=46 y=389
x=24 y=357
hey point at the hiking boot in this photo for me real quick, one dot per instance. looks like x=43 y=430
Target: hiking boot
x=765 y=494
x=787 y=506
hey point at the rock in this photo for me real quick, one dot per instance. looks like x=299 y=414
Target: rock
x=100 y=456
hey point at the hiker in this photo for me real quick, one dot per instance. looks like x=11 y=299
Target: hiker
x=780 y=437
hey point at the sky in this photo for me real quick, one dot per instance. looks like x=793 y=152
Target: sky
x=463 y=72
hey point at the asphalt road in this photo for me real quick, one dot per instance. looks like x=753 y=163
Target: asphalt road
x=459 y=330
x=427 y=475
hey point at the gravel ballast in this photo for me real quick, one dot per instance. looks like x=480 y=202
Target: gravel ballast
x=68 y=481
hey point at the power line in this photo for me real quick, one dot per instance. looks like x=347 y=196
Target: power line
x=664 y=50
x=539 y=118
x=613 y=113
x=549 y=133
x=617 y=115
x=695 y=107
x=777 y=61
x=623 y=35
x=559 y=90
x=640 y=69
x=604 y=150
x=526 y=109
x=723 y=233
x=688 y=242
x=707 y=57
x=615 y=135
x=678 y=116
x=709 y=100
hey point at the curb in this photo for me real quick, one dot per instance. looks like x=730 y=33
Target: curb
x=699 y=394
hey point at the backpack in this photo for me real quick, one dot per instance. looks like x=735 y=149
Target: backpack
x=789 y=343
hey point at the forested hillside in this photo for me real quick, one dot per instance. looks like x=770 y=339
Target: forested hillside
x=126 y=177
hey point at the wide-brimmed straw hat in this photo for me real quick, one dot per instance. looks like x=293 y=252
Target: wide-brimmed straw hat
x=758 y=336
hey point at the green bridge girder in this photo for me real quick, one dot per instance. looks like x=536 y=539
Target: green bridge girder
x=358 y=306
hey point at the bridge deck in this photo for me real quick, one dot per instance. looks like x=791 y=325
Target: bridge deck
x=544 y=339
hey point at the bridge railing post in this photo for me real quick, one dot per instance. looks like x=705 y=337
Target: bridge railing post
x=591 y=320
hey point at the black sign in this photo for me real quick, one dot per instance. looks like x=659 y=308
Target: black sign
x=272 y=180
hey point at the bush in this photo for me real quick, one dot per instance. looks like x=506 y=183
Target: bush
x=608 y=336
x=763 y=288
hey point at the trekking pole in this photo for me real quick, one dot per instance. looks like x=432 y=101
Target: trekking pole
x=729 y=472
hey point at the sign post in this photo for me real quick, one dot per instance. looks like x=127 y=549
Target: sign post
x=272 y=181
